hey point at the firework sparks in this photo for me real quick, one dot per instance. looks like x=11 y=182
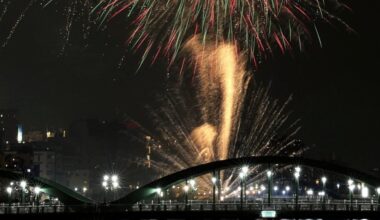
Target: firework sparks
x=75 y=15
x=164 y=26
x=216 y=121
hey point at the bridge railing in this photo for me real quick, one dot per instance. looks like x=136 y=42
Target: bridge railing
x=32 y=209
x=256 y=207
x=179 y=207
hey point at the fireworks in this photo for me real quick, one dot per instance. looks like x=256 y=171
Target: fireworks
x=72 y=15
x=76 y=15
x=213 y=120
x=163 y=27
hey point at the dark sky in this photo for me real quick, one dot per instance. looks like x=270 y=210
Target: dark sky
x=335 y=87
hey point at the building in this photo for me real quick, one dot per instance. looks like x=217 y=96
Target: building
x=9 y=127
x=18 y=157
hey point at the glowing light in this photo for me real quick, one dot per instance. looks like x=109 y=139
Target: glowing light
x=186 y=188
x=192 y=183
x=114 y=178
x=115 y=185
x=310 y=192
x=37 y=190
x=359 y=186
x=241 y=175
x=275 y=188
x=322 y=193
x=104 y=184
x=106 y=177
x=287 y=188
x=262 y=188
x=213 y=180
x=19 y=134
x=378 y=190
x=365 y=192
x=298 y=169
x=351 y=187
x=158 y=190
x=296 y=175
x=269 y=173
x=350 y=182
x=23 y=184
x=324 y=180
x=9 y=190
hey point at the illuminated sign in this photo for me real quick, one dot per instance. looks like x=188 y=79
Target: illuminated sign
x=268 y=214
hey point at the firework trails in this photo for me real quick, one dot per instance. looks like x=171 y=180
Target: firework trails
x=216 y=121
x=163 y=27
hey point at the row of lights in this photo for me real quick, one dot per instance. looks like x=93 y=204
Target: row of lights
x=297 y=174
x=111 y=182
x=23 y=184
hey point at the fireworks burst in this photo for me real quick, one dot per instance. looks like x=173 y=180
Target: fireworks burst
x=163 y=27
x=214 y=120
x=73 y=15
x=76 y=15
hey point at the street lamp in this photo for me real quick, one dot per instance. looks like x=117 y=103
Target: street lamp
x=192 y=183
x=244 y=169
x=37 y=191
x=365 y=191
x=297 y=176
x=310 y=192
x=106 y=177
x=186 y=189
x=351 y=188
x=242 y=175
x=158 y=193
x=23 y=185
x=269 y=175
x=9 y=191
x=324 y=180
x=213 y=180
x=110 y=182
x=105 y=186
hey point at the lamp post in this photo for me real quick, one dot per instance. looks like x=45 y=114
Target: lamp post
x=241 y=175
x=9 y=192
x=110 y=182
x=192 y=188
x=186 y=189
x=213 y=180
x=84 y=190
x=115 y=185
x=23 y=185
x=105 y=186
x=351 y=187
x=324 y=180
x=296 y=177
x=37 y=191
x=244 y=171
x=269 y=175
x=158 y=194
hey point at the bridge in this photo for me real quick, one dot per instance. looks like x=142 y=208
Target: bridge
x=150 y=200
x=64 y=194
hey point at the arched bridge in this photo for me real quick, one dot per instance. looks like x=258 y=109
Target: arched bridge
x=64 y=194
x=149 y=190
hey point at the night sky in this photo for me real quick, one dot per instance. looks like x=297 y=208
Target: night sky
x=335 y=87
